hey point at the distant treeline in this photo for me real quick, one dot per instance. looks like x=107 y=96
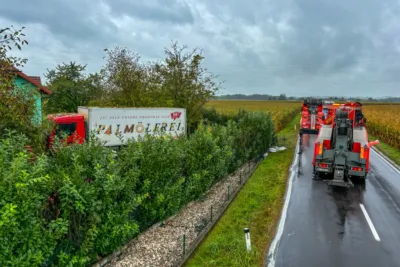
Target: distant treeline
x=293 y=98
x=255 y=97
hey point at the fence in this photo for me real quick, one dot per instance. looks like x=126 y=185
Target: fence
x=216 y=211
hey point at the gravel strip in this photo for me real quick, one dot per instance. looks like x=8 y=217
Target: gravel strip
x=162 y=246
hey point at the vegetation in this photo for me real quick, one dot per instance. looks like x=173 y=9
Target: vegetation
x=82 y=203
x=282 y=112
x=71 y=88
x=254 y=97
x=389 y=151
x=256 y=206
x=16 y=106
x=383 y=123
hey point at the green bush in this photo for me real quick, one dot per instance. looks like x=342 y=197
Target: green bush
x=95 y=198
x=26 y=237
x=84 y=201
x=158 y=166
x=206 y=162
x=210 y=114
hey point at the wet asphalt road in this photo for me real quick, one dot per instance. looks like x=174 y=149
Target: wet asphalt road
x=326 y=226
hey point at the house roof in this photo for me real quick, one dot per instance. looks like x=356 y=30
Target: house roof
x=35 y=80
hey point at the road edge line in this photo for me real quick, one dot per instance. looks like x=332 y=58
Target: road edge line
x=371 y=225
x=282 y=220
x=388 y=161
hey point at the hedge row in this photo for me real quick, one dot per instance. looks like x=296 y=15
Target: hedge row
x=83 y=202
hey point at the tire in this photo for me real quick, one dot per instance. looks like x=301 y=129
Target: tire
x=316 y=175
x=359 y=180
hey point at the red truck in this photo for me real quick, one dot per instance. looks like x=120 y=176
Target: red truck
x=114 y=126
x=312 y=116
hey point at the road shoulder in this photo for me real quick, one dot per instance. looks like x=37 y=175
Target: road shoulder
x=389 y=153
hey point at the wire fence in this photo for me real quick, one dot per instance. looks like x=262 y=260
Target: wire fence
x=192 y=238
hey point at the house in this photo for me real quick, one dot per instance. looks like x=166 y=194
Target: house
x=32 y=83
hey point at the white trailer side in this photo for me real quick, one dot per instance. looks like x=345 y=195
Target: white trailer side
x=111 y=124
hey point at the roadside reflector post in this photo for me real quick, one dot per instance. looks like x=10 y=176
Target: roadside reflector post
x=211 y=214
x=247 y=237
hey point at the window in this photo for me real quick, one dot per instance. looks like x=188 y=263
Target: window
x=68 y=129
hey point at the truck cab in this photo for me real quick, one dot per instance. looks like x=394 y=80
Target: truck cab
x=72 y=125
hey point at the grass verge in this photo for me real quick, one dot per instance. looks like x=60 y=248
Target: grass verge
x=389 y=151
x=257 y=206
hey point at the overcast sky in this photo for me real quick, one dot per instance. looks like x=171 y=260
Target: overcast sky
x=298 y=47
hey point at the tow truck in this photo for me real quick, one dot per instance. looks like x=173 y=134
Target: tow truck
x=311 y=116
x=341 y=149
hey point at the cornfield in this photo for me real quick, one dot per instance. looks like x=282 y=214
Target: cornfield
x=383 y=123
x=282 y=111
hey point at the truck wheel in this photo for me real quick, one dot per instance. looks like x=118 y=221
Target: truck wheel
x=315 y=175
x=360 y=180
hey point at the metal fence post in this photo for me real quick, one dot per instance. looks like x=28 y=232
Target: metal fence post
x=184 y=245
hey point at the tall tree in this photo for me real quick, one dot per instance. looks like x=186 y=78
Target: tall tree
x=186 y=83
x=127 y=80
x=71 y=88
x=179 y=80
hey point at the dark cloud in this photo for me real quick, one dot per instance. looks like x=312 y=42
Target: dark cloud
x=328 y=36
x=73 y=21
x=170 y=11
x=256 y=46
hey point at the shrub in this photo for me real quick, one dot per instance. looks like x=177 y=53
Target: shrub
x=213 y=116
x=26 y=238
x=95 y=199
x=252 y=132
x=158 y=164
x=206 y=162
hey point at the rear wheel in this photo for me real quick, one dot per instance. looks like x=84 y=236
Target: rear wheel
x=359 y=179
x=316 y=175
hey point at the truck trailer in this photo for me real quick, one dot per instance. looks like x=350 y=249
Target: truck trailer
x=341 y=149
x=115 y=126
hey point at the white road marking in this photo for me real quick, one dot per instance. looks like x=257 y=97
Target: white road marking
x=385 y=160
x=371 y=225
x=281 y=226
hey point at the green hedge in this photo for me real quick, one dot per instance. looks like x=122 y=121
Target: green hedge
x=84 y=202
